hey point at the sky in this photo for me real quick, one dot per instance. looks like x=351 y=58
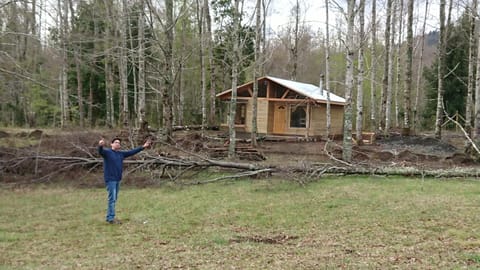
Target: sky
x=314 y=13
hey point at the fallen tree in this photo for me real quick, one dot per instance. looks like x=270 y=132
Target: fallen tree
x=40 y=167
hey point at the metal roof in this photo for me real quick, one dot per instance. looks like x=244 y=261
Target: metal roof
x=308 y=90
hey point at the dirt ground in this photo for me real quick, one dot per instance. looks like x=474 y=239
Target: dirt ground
x=19 y=149
x=420 y=150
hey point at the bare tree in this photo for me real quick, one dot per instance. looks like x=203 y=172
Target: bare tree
x=78 y=63
x=420 y=68
x=108 y=65
x=141 y=66
x=408 y=70
x=294 y=44
x=327 y=69
x=398 y=58
x=64 y=93
x=347 y=126
x=235 y=55
x=256 y=70
x=386 y=67
x=203 y=69
x=373 y=72
x=360 y=75
x=441 y=71
x=389 y=70
x=208 y=21
x=471 y=62
x=476 y=130
x=122 y=61
x=168 y=72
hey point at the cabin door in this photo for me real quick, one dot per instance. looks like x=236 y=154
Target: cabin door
x=279 y=118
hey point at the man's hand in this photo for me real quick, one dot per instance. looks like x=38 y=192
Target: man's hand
x=147 y=143
x=101 y=142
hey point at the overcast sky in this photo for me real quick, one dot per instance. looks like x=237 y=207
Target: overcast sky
x=314 y=13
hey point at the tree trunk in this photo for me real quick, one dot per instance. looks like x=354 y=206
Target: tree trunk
x=235 y=56
x=398 y=58
x=386 y=67
x=373 y=74
x=476 y=120
x=408 y=73
x=360 y=76
x=77 y=46
x=420 y=70
x=471 y=70
x=389 y=94
x=169 y=81
x=211 y=66
x=327 y=70
x=256 y=64
x=441 y=72
x=109 y=78
x=141 y=66
x=294 y=49
x=122 y=65
x=90 y=102
x=180 y=119
x=347 y=126
x=202 y=57
x=64 y=93
x=79 y=87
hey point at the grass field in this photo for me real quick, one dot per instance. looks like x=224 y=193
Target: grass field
x=348 y=222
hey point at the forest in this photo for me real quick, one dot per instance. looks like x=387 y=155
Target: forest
x=400 y=64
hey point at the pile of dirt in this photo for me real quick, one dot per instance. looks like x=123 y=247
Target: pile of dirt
x=418 y=144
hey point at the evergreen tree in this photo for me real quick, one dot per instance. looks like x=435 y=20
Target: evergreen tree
x=455 y=81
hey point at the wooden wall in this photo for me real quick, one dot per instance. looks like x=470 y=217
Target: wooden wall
x=318 y=124
x=262 y=116
x=318 y=119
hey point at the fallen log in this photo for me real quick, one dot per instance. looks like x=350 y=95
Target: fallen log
x=309 y=170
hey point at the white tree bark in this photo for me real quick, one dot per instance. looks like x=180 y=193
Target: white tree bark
x=471 y=68
x=327 y=69
x=122 y=64
x=441 y=72
x=419 y=70
x=235 y=56
x=256 y=70
x=360 y=74
x=390 y=78
x=373 y=72
x=202 y=57
x=398 y=58
x=141 y=66
x=348 y=117
x=408 y=71
x=476 y=120
x=386 y=67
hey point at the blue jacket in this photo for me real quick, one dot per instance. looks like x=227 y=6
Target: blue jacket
x=113 y=162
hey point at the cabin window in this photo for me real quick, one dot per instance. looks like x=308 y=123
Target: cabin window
x=298 y=116
x=240 y=114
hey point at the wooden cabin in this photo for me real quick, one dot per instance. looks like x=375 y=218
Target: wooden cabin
x=286 y=108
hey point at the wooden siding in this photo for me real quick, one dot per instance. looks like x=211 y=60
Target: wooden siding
x=316 y=119
x=262 y=119
x=318 y=122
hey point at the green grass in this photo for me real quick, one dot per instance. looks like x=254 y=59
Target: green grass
x=348 y=222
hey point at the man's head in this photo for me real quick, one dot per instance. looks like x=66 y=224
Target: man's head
x=116 y=144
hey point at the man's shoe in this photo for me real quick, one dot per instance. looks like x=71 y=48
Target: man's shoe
x=115 y=221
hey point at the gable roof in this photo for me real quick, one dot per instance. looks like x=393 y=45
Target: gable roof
x=308 y=90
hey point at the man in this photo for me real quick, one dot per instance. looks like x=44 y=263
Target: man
x=112 y=171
